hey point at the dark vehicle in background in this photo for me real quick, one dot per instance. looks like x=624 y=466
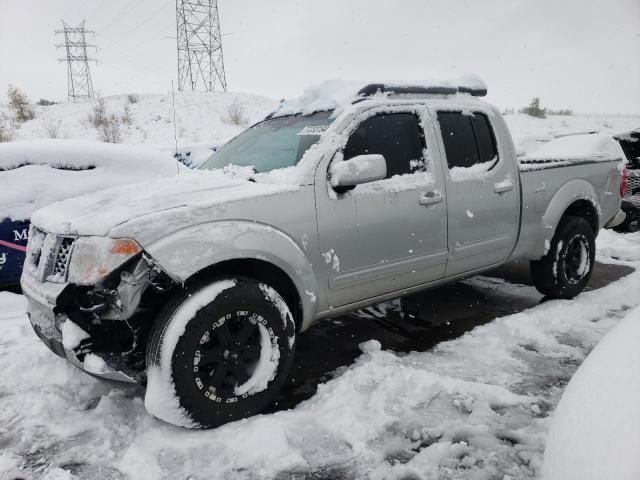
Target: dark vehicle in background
x=13 y=245
x=630 y=143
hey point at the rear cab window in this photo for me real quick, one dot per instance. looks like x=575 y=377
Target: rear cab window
x=469 y=141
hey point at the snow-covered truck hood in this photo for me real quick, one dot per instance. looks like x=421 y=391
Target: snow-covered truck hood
x=150 y=210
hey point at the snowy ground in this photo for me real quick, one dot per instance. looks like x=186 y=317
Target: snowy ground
x=475 y=407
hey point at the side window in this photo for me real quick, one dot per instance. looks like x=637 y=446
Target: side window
x=485 y=138
x=459 y=141
x=467 y=139
x=396 y=136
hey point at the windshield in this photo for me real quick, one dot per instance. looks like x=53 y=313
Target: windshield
x=274 y=143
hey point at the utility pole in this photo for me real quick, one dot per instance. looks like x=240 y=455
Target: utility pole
x=79 y=85
x=200 y=60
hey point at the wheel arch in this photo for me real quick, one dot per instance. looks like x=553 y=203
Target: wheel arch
x=259 y=270
x=575 y=198
x=243 y=248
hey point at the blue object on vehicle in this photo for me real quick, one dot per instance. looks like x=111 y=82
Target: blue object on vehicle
x=13 y=245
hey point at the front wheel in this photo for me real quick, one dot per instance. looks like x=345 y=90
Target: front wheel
x=566 y=268
x=218 y=352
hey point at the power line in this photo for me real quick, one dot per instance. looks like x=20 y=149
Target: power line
x=79 y=84
x=200 y=59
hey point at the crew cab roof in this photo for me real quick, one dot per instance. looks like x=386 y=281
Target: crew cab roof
x=339 y=94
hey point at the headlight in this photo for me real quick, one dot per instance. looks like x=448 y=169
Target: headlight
x=93 y=258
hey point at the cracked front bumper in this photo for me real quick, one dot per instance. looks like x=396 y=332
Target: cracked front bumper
x=48 y=326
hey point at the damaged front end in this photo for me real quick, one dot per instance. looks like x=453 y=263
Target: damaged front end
x=97 y=320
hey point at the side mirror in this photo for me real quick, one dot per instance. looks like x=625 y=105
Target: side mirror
x=347 y=174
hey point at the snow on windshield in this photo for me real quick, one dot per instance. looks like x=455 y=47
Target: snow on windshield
x=272 y=144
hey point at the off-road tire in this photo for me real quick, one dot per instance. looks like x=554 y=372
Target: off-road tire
x=559 y=274
x=247 y=295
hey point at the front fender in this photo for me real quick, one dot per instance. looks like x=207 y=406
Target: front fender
x=185 y=252
x=564 y=197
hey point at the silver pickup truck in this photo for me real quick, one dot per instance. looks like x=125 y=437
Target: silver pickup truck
x=199 y=284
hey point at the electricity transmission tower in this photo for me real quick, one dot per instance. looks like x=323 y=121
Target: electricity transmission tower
x=200 y=60
x=79 y=85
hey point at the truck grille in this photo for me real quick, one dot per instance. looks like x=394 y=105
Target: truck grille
x=633 y=187
x=48 y=255
x=61 y=262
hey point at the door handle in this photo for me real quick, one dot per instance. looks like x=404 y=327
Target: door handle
x=503 y=187
x=430 y=198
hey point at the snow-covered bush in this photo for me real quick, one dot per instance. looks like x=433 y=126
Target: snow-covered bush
x=19 y=103
x=236 y=114
x=43 y=102
x=52 y=129
x=127 y=117
x=109 y=130
x=132 y=98
x=7 y=128
x=98 y=115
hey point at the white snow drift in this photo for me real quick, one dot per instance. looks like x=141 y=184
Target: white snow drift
x=36 y=173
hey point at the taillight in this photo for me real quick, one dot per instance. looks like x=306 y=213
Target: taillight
x=623 y=181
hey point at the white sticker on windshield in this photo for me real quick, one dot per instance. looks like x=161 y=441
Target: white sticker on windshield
x=313 y=130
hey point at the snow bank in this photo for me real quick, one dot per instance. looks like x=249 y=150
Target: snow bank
x=200 y=117
x=40 y=172
x=595 y=432
x=579 y=146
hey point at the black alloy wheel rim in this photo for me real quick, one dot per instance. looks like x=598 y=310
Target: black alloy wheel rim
x=228 y=354
x=577 y=249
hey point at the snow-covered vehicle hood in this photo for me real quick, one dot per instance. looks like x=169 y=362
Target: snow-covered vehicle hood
x=151 y=209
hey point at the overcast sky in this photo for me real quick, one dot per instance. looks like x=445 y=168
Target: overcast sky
x=578 y=54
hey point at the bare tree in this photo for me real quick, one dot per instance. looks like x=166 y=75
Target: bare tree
x=19 y=103
x=236 y=114
x=52 y=129
x=534 y=109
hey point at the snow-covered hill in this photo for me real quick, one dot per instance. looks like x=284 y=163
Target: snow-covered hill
x=200 y=117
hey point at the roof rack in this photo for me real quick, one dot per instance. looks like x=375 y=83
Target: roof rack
x=374 y=88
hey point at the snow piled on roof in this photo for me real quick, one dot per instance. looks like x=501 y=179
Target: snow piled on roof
x=36 y=173
x=579 y=146
x=80 y=154
x=337 y=94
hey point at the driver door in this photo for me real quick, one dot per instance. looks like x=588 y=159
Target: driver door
x=390 y=234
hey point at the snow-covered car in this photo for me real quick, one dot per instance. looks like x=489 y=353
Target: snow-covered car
x=39 y=172
x=595 y=431
x=351 y=195
x=630 y=143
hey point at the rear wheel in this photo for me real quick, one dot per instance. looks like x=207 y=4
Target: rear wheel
x=566 y=268
x=219 y=352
